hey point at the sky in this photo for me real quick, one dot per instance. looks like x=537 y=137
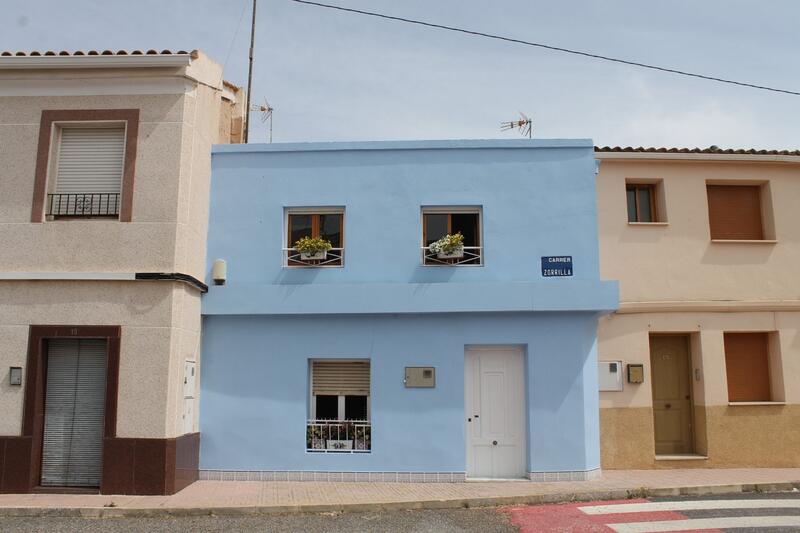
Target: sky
x=340 y=76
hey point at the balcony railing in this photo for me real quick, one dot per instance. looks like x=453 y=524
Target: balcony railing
x=83 y=205
x=472 y=255
x=333 y=257
x=339 y=436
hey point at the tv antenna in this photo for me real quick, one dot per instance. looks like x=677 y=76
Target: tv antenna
x=524 y=125
x=266 y=114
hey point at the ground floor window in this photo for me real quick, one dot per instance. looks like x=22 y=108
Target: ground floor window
x=339 y=407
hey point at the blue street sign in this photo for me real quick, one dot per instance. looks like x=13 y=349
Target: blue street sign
x=560 y=265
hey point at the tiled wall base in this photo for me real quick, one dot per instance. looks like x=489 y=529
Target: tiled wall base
x=577 y=475
x=385 y=477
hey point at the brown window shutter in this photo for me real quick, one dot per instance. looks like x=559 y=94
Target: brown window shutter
x=747 y=366
x=734 y=212
x=340 y=378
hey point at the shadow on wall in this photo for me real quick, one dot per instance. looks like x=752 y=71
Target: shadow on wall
x=732 y=254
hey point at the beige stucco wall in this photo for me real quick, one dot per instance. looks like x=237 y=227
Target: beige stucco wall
x=179 y=121
x=160 y=325
x=678 y=261
x=672 y=280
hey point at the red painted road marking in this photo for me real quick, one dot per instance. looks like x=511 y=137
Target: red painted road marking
x=567 y=518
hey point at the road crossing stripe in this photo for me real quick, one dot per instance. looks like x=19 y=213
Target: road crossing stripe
x=707 y=523
x=690 y=506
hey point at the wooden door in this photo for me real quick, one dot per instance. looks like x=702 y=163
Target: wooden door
x=672 y=397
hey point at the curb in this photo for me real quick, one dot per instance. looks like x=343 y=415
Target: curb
x=533 y=499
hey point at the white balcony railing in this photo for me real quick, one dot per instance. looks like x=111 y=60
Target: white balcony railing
x=332 y=258
x=339 y=436
x=472 y=256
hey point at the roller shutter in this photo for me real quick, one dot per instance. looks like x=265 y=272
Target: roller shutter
x=734 y=212
x=340 y=378
x=89 y=171
x=74 y=413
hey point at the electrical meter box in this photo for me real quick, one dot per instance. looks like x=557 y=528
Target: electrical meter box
x=635 y=373
x=610 y=374
x=420 y=377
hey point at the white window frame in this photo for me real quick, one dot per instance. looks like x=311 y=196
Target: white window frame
x=340 y=407
x=55 y=145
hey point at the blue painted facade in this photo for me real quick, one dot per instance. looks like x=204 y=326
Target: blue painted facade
x=260 y=329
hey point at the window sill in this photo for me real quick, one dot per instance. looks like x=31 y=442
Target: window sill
x=745 y=241
x=292 y=267
x=680 y=457
x=734 y=404
x=450 y=266
x=648 y=223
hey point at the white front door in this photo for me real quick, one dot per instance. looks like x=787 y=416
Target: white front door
x=494 y=390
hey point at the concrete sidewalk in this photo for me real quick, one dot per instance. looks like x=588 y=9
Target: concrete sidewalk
x=254 y=497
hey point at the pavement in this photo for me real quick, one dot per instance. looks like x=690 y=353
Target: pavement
x=243 y=498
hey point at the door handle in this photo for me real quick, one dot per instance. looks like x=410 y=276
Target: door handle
x=667 y=406
x=469 y=419
x=476 y=416
x=494 y=443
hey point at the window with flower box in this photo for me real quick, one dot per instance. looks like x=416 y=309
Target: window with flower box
x=339 y=411
x=314 y=226
x=441 y=228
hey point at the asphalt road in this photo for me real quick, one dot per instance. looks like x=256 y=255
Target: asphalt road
x=439 y=521
x=529 y=519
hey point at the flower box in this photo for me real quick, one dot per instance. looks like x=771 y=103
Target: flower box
x=315 y=256
x=334 y=444
x=453 y=254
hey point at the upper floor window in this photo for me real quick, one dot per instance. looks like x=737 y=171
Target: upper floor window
x=87 y=168
x=641 y=202
x=85 y=164
x=451 y=236
x=315 y=237
x=736 y=212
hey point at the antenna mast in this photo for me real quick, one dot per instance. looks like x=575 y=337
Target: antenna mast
x=250 y=75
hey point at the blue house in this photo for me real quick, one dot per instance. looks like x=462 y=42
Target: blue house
x=447 y=330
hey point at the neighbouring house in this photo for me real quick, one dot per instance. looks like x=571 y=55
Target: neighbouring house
x=104 y=179
x=699 y=366
x=390 y=356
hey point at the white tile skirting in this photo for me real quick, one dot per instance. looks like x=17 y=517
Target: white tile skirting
x=574 y=475
x=381 y=477
x=304 y=475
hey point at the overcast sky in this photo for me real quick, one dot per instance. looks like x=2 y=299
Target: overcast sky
x=339 y=76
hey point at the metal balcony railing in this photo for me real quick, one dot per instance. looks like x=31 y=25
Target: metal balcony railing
x=333 y=257
x=472 y=255
x=83 y=205
x=339 y=436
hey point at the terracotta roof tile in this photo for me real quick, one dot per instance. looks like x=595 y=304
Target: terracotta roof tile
x=710 y=150
x=35 y=53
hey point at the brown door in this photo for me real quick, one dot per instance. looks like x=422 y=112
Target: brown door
x=672 y=398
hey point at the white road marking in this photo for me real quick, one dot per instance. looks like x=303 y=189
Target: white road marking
x=650 y=507
x=707 y=523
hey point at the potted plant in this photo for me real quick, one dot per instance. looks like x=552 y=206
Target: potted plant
x=448 y=247
x=315 y=439
x=345 y=430
x=313 y=249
